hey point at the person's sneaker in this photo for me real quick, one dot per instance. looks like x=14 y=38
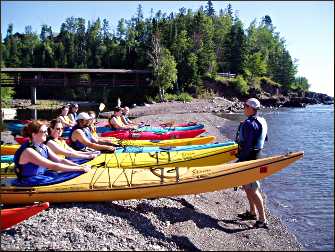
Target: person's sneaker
x=247 y=216
x=261 y=224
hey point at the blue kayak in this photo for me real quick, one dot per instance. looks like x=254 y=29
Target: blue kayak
x=15 y=128
x=7 y=158
x=137 y=149
x=156 y=129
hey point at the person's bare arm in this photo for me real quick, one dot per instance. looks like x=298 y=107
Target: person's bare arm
x=80 y=136
x=31 y=156
x=68 y=152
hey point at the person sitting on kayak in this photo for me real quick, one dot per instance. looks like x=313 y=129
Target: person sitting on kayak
x=65 y=118
x=93 y=121
x=81 y=138
x=124 y=116
x=116 y=123
x=36 y=163
x=73 y=112
x=61 y=148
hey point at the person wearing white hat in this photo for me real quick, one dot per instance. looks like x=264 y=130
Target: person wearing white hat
x=250 y=137
x=81 y=138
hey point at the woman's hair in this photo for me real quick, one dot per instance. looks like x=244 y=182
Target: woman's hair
x=33 y=127
x=63 y=107
x=53 y=124
x=117 y=109
x=72 y=106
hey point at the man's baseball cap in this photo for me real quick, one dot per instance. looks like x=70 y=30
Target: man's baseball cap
x=254 y=103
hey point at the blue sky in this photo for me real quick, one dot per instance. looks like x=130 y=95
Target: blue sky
x=307 y=26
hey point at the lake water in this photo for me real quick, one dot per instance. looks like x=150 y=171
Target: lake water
x=302 y=195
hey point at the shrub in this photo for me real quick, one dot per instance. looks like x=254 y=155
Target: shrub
x=268 y=81
x=185 y=97
x=170 y=97
x=241 y=85
x=7 y=93
x=150 y=99
x=207 y=94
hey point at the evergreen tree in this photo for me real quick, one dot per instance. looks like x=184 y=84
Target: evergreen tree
x=209 y=10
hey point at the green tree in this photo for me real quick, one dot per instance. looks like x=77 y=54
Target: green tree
x=167 y=71
x=237 y=49
x=209 y=9
x=11 y=58
x=255 y=65
x=80 y=43
x=300 y=84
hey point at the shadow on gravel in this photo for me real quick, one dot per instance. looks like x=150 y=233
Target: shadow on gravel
x=202 y=220
x=135 y=217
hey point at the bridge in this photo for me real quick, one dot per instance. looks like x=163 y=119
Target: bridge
x=67 y=77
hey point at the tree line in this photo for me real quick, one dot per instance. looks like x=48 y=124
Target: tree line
x=181 y=48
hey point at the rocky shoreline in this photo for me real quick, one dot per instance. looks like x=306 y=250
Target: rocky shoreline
x=205 y=221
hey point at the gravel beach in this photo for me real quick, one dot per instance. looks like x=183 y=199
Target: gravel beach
x=205 y=221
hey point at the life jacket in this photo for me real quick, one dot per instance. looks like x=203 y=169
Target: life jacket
x=93 y=130
x=59 y=142
x=30 y=169
x=66 y=119
x=74 y=115
x=126 y=119
x=34 y=175
x=76 y=144
x=118 y=121
x=261 y=132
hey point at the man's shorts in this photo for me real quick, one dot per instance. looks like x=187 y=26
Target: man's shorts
x=252 y=186
x=253 y=156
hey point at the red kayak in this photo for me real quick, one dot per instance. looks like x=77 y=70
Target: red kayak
x=21 y=139
x=146 y=135
x=178 y=124
x=167 y=124
x=12 y=216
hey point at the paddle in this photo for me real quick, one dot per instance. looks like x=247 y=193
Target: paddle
x=101 y=108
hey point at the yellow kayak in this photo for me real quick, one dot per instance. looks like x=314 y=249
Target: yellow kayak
x=201 y=157
x=10 y=149
x=106 y=184
x=7 y=169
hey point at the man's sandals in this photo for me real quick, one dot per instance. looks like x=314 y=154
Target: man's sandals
x=247 y=216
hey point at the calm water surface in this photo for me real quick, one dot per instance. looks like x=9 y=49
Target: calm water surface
x=302 y=194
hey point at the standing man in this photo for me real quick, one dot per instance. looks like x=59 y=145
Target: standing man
x=250 y=137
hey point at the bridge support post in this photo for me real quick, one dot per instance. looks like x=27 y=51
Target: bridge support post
x=34 y=114
x=33 y=95
x=105 y=98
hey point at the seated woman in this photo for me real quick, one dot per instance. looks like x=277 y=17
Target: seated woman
x=73 y=109
x=92 y=123
x=124 y=116
x=37 y=164
x=116 y=123
x=81 y=138
x=93 y=129
x=66 y=121
x=60 y=147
